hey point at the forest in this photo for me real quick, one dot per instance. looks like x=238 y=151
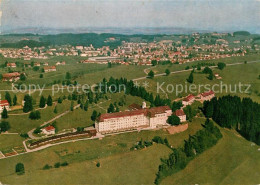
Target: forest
x=234 y=112
x=195 y=145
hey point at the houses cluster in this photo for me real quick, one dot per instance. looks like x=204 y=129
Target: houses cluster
x=180 y=49
x=48 y=69
x=25 y=53
x=205 y=96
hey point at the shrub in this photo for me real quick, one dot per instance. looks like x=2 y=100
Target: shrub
x=46 y=167
x=35 y=115
x=57 y=165
x=19 y=168
x=64 y=164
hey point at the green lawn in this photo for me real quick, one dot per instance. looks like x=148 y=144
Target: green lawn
x=81 y=118
x=232 y=161
x=161 y=68
x=22 y=123
x=8 y=142
x=244 y=73
x=113 y=152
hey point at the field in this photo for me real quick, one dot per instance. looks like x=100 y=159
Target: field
x=81 y=118
x=7 y=142
x=224 y=163
x=232 y=161
x=140 y=166
x=22 y=124
x=231 y=75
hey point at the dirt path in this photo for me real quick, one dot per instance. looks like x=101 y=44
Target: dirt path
x=30 y=133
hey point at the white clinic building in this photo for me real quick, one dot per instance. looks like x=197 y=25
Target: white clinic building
x=129 y=120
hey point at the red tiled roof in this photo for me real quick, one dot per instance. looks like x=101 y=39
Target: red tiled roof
x=49 y=128
x=179 y=112
x=4 y=103
x=49 y=67
x=11 y=64
x=207 y=93
x=189 y=98
x=9 y=75
x=151 y=112
x=134 y=106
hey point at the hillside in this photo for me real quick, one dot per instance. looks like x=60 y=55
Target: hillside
x=233 y=160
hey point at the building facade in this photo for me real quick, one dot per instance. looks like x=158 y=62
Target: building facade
x=128 y=120
x=188 y=100
x=4 y=103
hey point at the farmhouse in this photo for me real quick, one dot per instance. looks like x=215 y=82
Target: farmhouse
x=37 y=64
x=128 y=120
x=48 y=130
x=4 y=103
x=49 y=69
x=11 y=76
x=180 y=113
x=206 y=96
x=13 y=65
x=188 y=100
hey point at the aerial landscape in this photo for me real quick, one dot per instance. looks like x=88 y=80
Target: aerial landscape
x=129 y=92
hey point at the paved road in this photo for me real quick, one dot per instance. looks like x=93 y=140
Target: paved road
x=181 y=71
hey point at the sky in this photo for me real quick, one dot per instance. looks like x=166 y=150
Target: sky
x=214 y=15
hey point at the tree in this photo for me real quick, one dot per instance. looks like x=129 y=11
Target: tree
x=35 y=115
x=59 y=100
x=154 y=62
x=207 y=70
x=49 y=100
x=8 y=97
x=22 y=77
x=211 y=76
x=72 y=106
x=28 y=103
x=151 y=74
x=167 y=72
x=190 y=78
x=41 y=75
x=4 y=113
x=221 y=65
x=15 y=100
x=55 y=110
x=208 y=109
x=111 y=108
x=94 y=115
x=176 y=105
x=68 y=76
x=109 y=64
x=173 y=120
x=199 y=67
x=4 y=126
x=42 y=102
x=189 y=112
x=19 y=168
x=86 y=106
x=98 y=164
x=57 y=165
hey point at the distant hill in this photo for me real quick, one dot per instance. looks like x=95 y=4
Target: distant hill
x=244 y=33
